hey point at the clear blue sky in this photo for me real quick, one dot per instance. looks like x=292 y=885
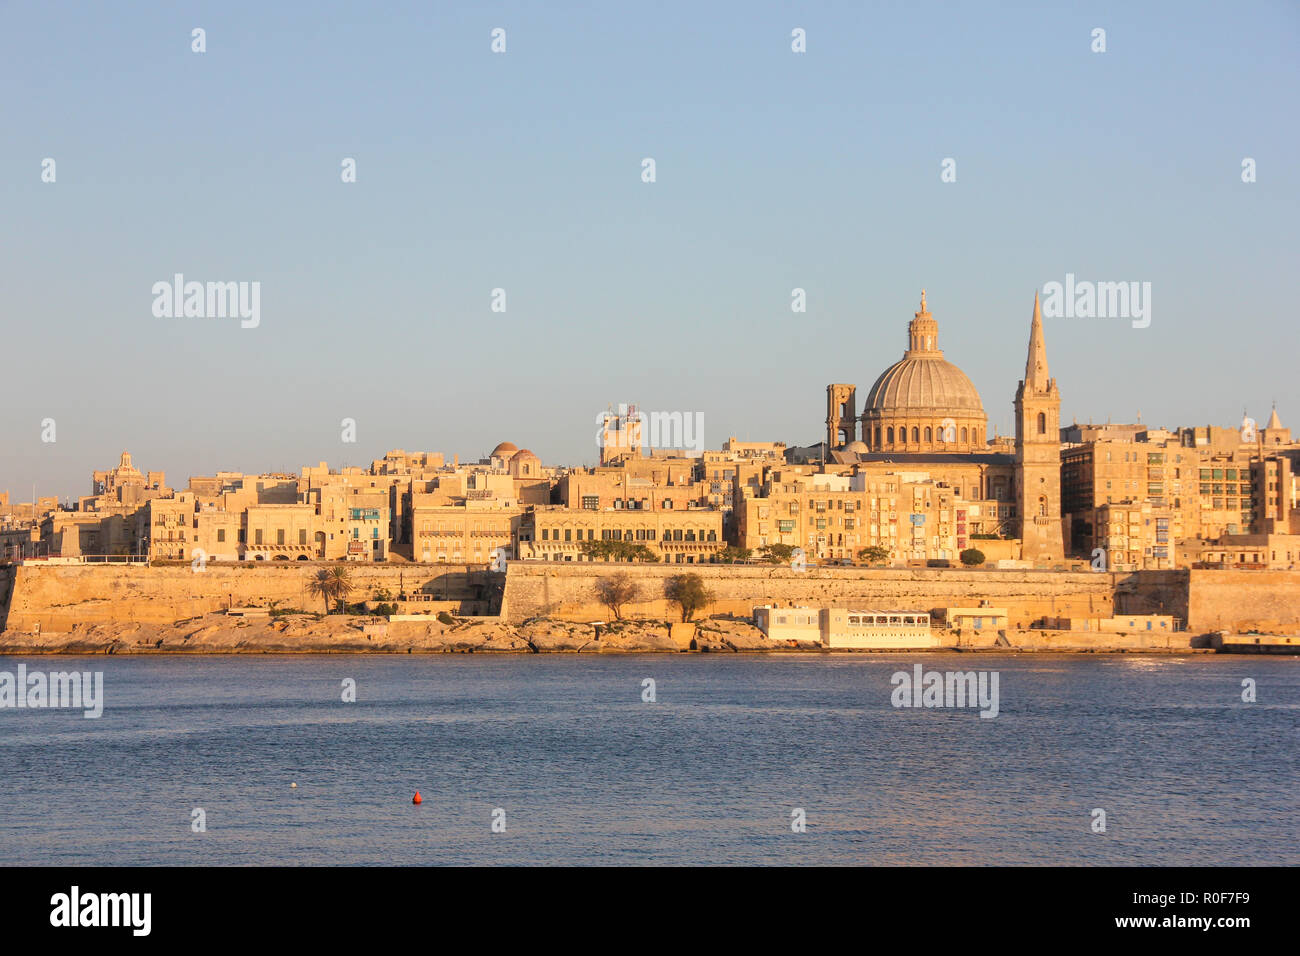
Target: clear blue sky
x=522 y=171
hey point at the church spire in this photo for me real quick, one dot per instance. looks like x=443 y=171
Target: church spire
x=1036 y=375
x=1273 y=420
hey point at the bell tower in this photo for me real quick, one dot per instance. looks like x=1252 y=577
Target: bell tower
x=1038 y=454
x=841 y=416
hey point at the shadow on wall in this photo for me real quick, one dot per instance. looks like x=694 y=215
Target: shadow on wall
x=1154 y=592
x=476 y=588
x=8 y=574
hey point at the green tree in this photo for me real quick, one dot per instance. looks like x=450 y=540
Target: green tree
x=688 y=592
x=972 y=557
x=617 y=590
x=777 y=553
x=617 y=551
x=730 y=555
x=875 y=554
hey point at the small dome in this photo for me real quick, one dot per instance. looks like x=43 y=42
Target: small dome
x=525 y=454
x=857 y=447
x=504 y=450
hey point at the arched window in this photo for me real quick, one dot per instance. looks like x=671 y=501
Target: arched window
x=1042 y=506
x=963 y=436
x=916 y=434
x=889 y=434
x=929 y=434
x=877 y=436
x=1042 y=423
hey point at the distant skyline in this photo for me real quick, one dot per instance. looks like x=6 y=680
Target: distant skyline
x=522 y=171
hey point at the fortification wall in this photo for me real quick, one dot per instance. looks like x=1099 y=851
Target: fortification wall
x=1266 y=601
x=568 y=591
x=1213 y=600
x=57 y=597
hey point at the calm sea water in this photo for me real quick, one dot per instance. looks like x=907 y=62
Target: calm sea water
x=587 y=772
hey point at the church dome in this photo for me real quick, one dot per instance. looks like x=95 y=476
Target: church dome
x=504 y=450
x=524 y=464
x=923 y=403
x=924 y=384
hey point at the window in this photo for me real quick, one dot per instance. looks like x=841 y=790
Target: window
x=302 y=535
x=221 y=534
x=889 y=433
x=963 y=435
x=590 y=502
x=257 y=536
x=929 y=433
x=916 y=434
x=1042 y=423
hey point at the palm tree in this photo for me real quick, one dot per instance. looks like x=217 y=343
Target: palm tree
x=342 y=581
x=331 y=584
x=321 y=586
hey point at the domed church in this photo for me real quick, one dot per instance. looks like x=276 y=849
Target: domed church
x=923 y=402
x=924 y=414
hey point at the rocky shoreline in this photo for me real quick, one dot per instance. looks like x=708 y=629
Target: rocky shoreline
x=336 y=634
x=339 y=634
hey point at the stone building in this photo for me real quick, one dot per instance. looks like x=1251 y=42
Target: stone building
x=675 y=536
x=923 y=415
x=833 y=517
x=125 y=485
x=1214 y=484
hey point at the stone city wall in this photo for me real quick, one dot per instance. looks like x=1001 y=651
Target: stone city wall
x=57 y=597
x=568 y=591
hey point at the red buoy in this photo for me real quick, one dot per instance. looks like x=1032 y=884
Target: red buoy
x=417 y=798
